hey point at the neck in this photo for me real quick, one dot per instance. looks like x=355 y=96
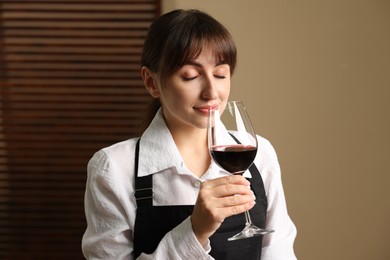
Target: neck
x=192 y=145
x=192 y=137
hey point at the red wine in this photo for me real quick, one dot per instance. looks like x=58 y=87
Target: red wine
x=235 y=159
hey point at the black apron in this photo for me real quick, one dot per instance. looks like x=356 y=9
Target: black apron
x=153 y=222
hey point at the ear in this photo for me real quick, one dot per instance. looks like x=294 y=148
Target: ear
x=150 y=81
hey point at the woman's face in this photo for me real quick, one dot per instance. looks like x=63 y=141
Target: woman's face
x=197 y=86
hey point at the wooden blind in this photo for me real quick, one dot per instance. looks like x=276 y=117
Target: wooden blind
x=70 y=85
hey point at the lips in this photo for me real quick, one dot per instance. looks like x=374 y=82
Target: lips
x=205 y=109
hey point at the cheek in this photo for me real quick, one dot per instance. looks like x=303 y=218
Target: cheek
x=225 y=91
x=176 y=97
x=179 y=96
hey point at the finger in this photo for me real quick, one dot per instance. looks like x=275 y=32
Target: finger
x=238 y=209
x=232 y=179
x=233 y=201
x=230 y=190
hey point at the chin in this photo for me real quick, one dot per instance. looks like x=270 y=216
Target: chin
x=202 y=124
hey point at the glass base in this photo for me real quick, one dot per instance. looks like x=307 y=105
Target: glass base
x=250 y=230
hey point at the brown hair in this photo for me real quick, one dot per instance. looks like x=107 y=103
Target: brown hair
x=178 y=37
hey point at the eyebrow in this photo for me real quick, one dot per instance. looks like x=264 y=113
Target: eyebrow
x=197 y=64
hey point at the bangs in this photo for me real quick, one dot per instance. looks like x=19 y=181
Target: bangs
x=223 y=49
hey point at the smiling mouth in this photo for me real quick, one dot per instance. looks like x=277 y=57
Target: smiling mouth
x=205 y=110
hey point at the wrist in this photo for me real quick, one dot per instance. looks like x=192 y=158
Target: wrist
x=200 y=236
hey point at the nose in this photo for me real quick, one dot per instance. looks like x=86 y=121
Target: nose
x=210 y=90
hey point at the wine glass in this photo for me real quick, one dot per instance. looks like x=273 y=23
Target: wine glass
x=233 y=146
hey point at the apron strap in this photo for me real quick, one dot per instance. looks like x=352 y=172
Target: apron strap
x=257 y=184
x=143 y=191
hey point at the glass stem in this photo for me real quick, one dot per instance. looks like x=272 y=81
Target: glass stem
x=247 y=218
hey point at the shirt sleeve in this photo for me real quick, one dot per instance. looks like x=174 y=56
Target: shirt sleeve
x=280 y=244
x=109 y=229
x=108 y=234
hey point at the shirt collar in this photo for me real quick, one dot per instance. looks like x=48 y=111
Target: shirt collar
x=157 y=148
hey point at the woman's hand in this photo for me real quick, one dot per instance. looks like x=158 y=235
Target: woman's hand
x=218 y=199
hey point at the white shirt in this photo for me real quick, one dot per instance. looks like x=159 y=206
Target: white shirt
x=110 y=205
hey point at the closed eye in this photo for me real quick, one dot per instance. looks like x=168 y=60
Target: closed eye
x=220 y=76
x=189 y=78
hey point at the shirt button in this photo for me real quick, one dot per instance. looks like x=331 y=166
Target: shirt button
x=197 y=183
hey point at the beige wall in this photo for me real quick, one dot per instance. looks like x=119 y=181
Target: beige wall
x=316 y=78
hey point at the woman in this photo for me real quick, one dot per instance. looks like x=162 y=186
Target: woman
x=160 y=196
